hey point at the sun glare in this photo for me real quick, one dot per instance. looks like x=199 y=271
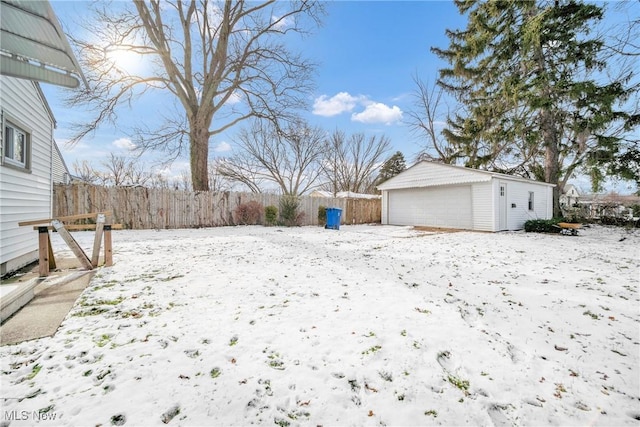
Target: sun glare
x=127 y=61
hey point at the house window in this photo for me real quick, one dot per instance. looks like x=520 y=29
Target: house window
x=16 y=146
x=530 y=200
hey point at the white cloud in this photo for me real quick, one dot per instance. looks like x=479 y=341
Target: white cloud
x=124 y=143
x=377 y=112
x=222 y=147
x=281 y=23
x=340 y=103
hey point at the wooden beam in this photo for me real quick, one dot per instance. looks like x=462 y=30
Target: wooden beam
x=52 y=259
x=43 y=252
x=97 y=240
x=63 y=218
x=78 y=227
x=73 y=245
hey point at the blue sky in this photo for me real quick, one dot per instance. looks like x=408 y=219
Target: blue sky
x=367 y=51
x=367 y=54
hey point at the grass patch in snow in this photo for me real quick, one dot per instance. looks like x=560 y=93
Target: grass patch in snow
x=215 y=372
x=93 y=311
x=102 y=340
x=372 y=350
x=593 y=315
x=34 y=372
x=459 y=383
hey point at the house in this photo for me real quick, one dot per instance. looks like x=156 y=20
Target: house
x=33 y=48
x=321 y=193
x=611 y=205
x=342 y=195
x=569 y=196
x=440 y=195
x=26 y=169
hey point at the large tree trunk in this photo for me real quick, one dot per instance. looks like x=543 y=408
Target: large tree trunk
x=199 y=154
x=551 y=157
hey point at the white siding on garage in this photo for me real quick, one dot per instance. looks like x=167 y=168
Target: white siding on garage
x=429 y=174
x=440 y=195
x=482 y=199
x=518 y=202
x=445 y=206
x=24 y=195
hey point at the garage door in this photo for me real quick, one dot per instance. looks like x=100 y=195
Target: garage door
x=434 y=207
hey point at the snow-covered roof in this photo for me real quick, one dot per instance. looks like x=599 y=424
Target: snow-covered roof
x=352 y=195
x=343 y=195
x=431 y=174
x=321 y=193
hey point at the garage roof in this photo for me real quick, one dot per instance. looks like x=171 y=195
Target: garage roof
x=431 y=174
x=33 y=45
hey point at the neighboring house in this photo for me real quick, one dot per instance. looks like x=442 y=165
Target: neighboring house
x=33 y=48
x=342 y=195
x=352 y=195
x=60 y=172
x=440 y=195
x=614 y=205
x=569 y=196
x=321 y=193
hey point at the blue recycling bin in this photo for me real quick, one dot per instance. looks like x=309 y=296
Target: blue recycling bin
x=333 y=218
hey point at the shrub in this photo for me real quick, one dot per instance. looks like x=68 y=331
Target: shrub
x=542 y=225
x=322 y=215
x=249 y=213
x=289 y=214
x=271 y=215
x=619 y=222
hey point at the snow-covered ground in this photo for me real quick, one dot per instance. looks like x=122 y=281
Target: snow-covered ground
x=368 y=325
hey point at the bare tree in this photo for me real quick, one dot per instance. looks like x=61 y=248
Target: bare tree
x=350 y=163
x=85 y=172
x=217 y=59
x=289 y=157
x=241 y=168
x=116 y=169
x=217 y=181
x=425 y=118
x=158 y=180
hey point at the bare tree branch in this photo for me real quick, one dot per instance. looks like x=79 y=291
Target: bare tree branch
x=288 y=156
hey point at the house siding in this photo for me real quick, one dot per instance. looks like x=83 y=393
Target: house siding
x=60 y=172
x=24 y=195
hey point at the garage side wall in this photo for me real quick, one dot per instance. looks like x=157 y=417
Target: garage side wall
x=518 y=211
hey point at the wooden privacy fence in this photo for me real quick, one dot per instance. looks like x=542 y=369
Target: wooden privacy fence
x=148 y=208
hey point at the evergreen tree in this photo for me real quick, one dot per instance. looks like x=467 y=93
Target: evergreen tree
x=531 y=81
x=392 y=167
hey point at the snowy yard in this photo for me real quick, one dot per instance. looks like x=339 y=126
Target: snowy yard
x=368 y=325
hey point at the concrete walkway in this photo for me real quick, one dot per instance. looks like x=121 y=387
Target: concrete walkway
x=42 y=316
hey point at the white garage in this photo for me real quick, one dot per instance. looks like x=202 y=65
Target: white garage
x=438 y=195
